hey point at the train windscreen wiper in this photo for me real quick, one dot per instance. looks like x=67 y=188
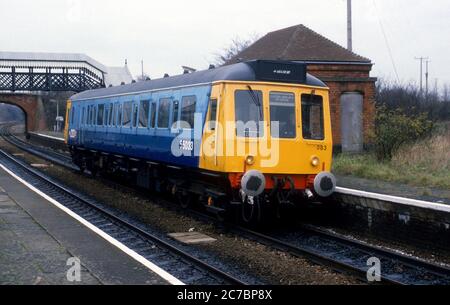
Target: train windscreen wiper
x=256 y=101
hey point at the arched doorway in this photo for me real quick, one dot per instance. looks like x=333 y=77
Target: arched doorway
x=352 y=122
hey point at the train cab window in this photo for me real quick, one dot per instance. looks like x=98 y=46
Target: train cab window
x=135 y=115
x=153 y=115
x=188 y=111
x=126 y=115
x=144 y=107
x=282 y=112
x=164 y=113
x=72 y=115
x=212 y=114
x=100 y=114
x=312 y=117
x=248 y=106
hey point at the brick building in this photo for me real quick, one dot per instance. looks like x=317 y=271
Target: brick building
x=352 y=90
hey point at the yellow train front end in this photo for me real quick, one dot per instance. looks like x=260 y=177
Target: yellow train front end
x=273 y=140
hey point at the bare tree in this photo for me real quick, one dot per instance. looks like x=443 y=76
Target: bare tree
x=236 y=46
x=446 y=93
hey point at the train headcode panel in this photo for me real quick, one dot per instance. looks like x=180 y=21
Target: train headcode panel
x=267 y=70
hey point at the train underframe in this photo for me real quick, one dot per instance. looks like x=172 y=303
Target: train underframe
x=210 y=190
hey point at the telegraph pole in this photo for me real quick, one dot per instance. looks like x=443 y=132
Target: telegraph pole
x=349 y=25
x=142 y=69
x=421 y=71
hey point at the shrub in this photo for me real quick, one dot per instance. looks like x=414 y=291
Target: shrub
x=393 y=128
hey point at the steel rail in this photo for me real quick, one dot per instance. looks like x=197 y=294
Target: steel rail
x=336 y=264
x=227 y=278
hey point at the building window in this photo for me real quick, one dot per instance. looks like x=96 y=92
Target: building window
x=188 y=111
x=282 y=111
x=164 y=113
x=143 y=113
x=127 y=114
x=249 y=113
x=312 y=117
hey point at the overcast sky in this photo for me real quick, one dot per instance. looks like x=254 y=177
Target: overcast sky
x=167 y=34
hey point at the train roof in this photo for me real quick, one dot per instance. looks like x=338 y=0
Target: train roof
x=257 y=70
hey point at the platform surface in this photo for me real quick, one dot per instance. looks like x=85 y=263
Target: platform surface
x=37 y=239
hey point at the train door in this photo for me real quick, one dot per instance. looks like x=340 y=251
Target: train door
x=143 y=125
x=126 y=129
x=211 y=132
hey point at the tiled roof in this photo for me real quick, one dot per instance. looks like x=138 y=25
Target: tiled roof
x=297 y=43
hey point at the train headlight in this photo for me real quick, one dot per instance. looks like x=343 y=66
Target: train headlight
x=315 y=161
x=250 y=160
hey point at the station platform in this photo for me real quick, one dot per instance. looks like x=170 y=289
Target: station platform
x=38 y=242
x=441 y=196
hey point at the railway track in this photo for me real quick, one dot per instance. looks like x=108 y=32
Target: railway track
x=177 y=262
x=337 y=252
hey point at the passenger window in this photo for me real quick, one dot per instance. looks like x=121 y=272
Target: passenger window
x=163 y=113
x=119 y=115
x=94 y=118
x=106 y=115
x=188 y=111
x=249 y=113
x=143 y=113
x=282 y=111
x=101 y=109
x=135 y=115
x=212 y=114
x=82 y=116
x=312 y=117
x=126 y=122
x=111 y=112
x=153 y=115
x=92 y=115
x=175 y=108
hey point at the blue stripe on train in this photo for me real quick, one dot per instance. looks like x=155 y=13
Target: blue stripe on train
x=153 y=144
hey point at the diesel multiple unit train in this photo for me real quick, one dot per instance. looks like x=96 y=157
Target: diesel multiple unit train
x=253 y=136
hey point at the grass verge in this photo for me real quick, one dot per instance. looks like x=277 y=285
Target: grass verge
x=425 y=163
